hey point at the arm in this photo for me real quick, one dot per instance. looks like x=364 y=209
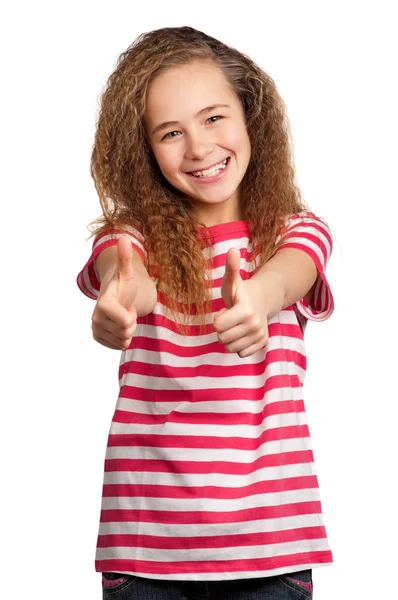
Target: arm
x=287 y=277
x=294 y=275
x=146 y=296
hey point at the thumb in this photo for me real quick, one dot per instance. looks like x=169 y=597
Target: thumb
x=232 y=265
x=231 y=279
x=126 y=283
x=125 y=259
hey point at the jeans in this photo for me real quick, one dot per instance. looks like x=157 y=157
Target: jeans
x=292 y=586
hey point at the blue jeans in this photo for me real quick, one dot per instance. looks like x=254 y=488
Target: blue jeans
x=292 y=586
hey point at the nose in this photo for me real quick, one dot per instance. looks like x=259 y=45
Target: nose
x=198 y=147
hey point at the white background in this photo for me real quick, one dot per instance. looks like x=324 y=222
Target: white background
x=334 y=65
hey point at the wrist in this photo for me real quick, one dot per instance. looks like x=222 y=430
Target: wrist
x=146 y=298
x=269 y=290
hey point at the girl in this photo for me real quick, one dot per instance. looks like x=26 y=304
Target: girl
x=206 y=266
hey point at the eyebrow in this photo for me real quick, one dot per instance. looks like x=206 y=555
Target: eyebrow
x=200 y=112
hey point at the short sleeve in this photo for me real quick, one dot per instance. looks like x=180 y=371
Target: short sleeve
x=311 y=234
x=88 y=279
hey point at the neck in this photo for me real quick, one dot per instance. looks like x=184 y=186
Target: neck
x=218 y=214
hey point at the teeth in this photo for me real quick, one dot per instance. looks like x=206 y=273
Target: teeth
x=213 y=171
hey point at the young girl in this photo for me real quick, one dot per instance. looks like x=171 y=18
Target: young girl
x=206 y=266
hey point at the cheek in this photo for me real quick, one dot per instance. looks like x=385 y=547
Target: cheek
x=167 y=161
x=237 y=139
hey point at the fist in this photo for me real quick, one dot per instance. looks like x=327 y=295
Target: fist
x=114 y=319
x=242 y=326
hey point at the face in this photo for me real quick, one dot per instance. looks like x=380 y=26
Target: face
x=187 y=136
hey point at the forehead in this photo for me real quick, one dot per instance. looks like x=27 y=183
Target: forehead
x=181 y=91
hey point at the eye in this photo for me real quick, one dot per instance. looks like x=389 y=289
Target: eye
x=169 y=136
x=166 y=137
x=216 y=117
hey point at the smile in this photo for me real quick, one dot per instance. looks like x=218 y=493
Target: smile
x=213 y=173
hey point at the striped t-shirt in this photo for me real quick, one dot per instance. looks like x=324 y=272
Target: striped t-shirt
x=209 y=471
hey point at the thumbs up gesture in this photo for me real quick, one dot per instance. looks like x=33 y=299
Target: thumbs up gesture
x=114 y=318
x=242 y=326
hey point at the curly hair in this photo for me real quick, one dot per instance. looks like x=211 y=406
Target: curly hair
x=133 y=190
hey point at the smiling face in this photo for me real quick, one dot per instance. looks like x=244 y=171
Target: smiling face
x=187 y=133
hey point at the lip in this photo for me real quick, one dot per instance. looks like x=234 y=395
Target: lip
x=207 y=168
x=216 y=177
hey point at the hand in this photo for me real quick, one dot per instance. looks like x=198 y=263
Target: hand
x=242 y=327
x=114 y=319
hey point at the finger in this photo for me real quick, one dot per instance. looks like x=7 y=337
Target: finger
x=121 y=333
x=236 y=315
x=239 y=327
x=218 y=315
x=246 y=342
x=108 y=307
x=251 y=350
x=236 y=333
x=107 y=343
x=125 y=258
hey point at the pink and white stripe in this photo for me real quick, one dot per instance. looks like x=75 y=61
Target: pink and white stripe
x=209 y=471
